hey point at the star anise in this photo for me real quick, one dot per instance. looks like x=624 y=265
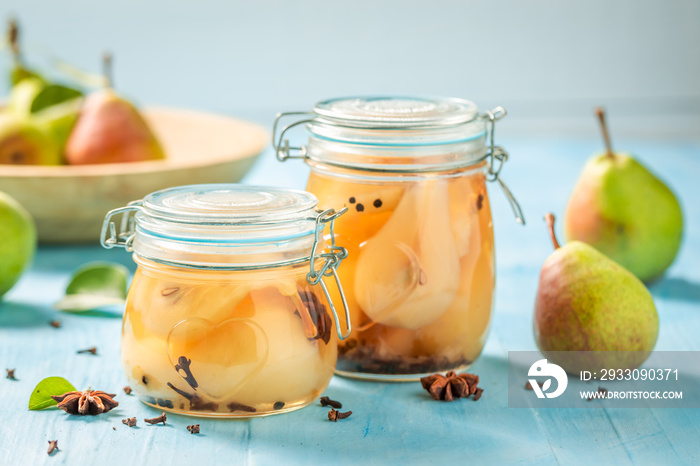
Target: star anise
x=450 y=386
x=91 y=402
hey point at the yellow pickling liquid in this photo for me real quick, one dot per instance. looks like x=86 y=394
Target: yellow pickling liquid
x=419 y=276
x=224 y=343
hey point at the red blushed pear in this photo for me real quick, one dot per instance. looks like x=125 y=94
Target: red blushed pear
x=110 y=130
x=624 y=211
x=589 y=303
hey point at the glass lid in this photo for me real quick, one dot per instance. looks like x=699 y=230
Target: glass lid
x=396 y=112
x=223 y=226
x=230 y=204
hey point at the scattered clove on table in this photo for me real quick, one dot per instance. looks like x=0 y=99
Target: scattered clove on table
x=53 y=446
x=325 y=401
x=194 y=429
x=162 y=418
x=334 y=415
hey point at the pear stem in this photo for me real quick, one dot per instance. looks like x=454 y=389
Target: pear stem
x=549 y=218
x=13 y=39
x=107 y=69
x=604 y=128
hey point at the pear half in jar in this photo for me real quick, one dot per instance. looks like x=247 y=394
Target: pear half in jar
x=407 y=275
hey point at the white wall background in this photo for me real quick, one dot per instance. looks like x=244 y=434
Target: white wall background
x=549 y=62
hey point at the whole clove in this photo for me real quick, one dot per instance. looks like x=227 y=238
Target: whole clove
x=233 y=406
x=11 y=374
x=53 y=446
x=183 y=368
x=162 y=418
x=528 y=385
x=325 y=401
x=194 y=429
x=91 y=350
x=334 y=415
x=131 y=421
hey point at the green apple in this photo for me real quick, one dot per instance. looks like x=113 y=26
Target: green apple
x=18 y=243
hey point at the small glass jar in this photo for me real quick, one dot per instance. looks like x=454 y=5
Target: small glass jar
x=420 y=270
x=228 y=314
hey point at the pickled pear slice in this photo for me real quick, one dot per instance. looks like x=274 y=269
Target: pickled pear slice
x=463 y=192
x=163 y=304
x=407 y=275
x=359 y=198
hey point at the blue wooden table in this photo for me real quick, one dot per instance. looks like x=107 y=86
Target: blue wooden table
x=391 y=422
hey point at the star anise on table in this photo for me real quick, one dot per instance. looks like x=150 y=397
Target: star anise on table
x=91 y=402
x=450 y=386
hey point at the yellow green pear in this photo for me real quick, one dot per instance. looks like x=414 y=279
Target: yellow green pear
x=23 y=94
x=589 y=303
x=110 y=130
x=23 y=142
x=18 y=241
x=620 y=208
x=58 y=121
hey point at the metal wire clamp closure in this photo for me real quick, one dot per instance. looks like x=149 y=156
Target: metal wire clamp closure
x=498 y=153
x=283 y=151
x=331 y=261
x=124 y=236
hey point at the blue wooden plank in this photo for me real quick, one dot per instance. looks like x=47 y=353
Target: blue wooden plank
x=391 y=422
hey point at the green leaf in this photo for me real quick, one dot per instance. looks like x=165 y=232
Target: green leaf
x=53 y=94
x=41 y=396
x=95 y=285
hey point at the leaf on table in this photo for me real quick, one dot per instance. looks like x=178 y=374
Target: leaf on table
x=41 y=396
x=95 y=285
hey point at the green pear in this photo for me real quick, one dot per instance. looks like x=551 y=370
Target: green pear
x=620 y=208
x=23 y=142
x=587 y=302
x=18 y=243
x=23 y=94
x=111 y=130
x=20 y=73
x=58 y=120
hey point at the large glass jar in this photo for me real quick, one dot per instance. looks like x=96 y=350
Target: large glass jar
x=420 y=274
x=226 y=315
